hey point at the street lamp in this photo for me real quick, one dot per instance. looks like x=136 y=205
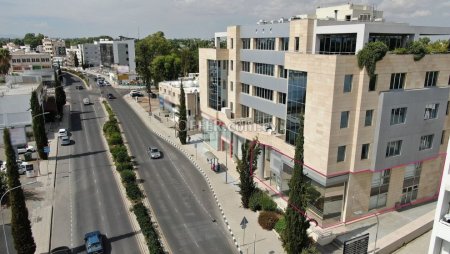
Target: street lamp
x=376 y=234
x=1 y=209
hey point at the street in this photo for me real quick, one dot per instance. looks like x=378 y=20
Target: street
x=180 y=198
x=86 y=194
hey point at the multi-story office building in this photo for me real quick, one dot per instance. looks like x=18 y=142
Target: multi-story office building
x=118 y=54
x=90 y=54
x=106 y=52
x=170 y=95
x=370 y=144
x=440 y=236
x=21 y=61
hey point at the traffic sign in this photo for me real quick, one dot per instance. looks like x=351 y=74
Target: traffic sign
x=46 y=149
x=244 y=223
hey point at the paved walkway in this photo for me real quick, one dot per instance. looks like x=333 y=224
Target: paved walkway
x=224 y=186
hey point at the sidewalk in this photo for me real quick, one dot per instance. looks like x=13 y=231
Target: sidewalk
x=226 y=194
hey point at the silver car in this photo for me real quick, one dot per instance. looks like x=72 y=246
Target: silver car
x=154 y=153
x=65 y=140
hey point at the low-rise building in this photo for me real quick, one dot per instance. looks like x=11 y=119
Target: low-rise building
x=170 y=94
x=55 y=47
x=22 y=61
x=70 y=56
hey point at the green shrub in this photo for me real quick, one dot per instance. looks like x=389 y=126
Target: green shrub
x=147 y=228
x=400 y=51
x=115 y=138
x=370 y=54
x=111 y=127
x=124 y=166
x=128 y=176
x=133 y=192
x=280 y=226
x=268 y=219
x=260 y=200
x=120 y=154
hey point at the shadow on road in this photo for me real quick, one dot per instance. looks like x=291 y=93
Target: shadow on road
x=79 y=155
x=31 y=195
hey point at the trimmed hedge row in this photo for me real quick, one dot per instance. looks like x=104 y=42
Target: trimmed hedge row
x=123 y=164
x=259 y=200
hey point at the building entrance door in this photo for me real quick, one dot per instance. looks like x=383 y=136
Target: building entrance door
x=409 y=194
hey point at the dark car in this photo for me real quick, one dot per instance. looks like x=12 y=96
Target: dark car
x=110 y=96
x=61 y=250
x=79 y=87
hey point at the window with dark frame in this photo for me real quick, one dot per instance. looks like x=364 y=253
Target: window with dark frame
x=341 y=154
x=348 y=79
x=426 y=142
x=431 y=111
x=431 y=78
x=393 y=148
x=365 y=151
x=442 y=137
x=297 y=44
x=373 y=83
x=397 y=81
x=368 y=118
x=344 y=119
x=245 y=66
x=398 y=115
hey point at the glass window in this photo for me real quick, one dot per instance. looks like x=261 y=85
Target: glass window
x=446 y=111
x=244 y=111
x=245 y=88
x=373 y=83
x=431 y=111
x=231 y=43
x=368 y=119
x=261 y=117
x=426 y=142
x=431 y=78
x=231 y=86
x=365 y=151
x=296 y=99
x=442 y=137
x=281 y=125
x=297 y=44
x=282 y=72
x=393 y=148
x=284 y=44
x=263 y=93
x=379 y=189
x=397 y=81
x=245 y=66
x=265 y=43
x=281 y=98
x=348 y=83
x=341 y=154
x=398 y=115
x=264 y=69
x=231 y=65
x=344 y=119
x=246 y=43
x=343 y=44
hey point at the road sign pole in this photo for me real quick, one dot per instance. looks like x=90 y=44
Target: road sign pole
x=243 y=237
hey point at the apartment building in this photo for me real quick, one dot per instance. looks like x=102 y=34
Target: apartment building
x=70 y=56
x=170 y=95
x=22 y=61
x=370 y=144
x=118 y=54
x=90 y=54
x=55 y=47
x=440 y=236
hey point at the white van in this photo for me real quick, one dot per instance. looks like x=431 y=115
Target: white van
x=86 y=101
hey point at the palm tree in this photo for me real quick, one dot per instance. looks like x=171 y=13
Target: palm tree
x=5 y=57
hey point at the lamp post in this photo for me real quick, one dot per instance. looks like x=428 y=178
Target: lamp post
x=1 y=208
x=376 y=234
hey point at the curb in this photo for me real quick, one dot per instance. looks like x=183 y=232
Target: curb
x=194 y=162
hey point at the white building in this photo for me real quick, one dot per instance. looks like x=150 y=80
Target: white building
x=90 y=54
x=56 y=48
x=70 y=55
x=440 y=236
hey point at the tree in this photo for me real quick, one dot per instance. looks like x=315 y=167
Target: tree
x=146 y=50
x=182 y=119
x=295 y=236
x=165 y=67
x=33 y=40
x=60 y=96
x=3 y=186
x=250 y=153
x=38 y=125
x=20 y=224
x=5 y=57
x=75 y=60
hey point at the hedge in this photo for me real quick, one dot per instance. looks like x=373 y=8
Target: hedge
x=147 y=228
x=128 y=176
x=120 y=154
x=124 y=166
x=260 y=200
x=133 y=192
x=115 y=139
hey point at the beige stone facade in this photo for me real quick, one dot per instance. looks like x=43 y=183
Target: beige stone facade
x=353 y=185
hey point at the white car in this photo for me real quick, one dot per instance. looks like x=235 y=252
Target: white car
x=86 y=101
x=62 y=133
x=25 y=149
x=65 y=140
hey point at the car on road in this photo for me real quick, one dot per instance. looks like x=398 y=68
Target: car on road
x=110 y=96
x=79 y=87
x=106 y=83
x=24 y=167
x=153 y=152
x=135 y=93
x=93 y=242
x=21 y=149
x=86 y=101
x=62 y=132
x=65 y=140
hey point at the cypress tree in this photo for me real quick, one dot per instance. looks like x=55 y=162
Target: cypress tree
x=20 y=224
x=38 y=125
x=182 y=126
x=250 y=152
x=60 y=96
x=76 y=62
x=295 y=237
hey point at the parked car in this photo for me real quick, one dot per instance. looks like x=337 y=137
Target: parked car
x=61 y=250
x=62 y=132
x=79 y=87
x=154 y=153
x=24 y=167
x=21 y=149
x=93 y=242
x=135 y=93
x=86 y=101
x=110 y=96
x=65 y=140
x=106 y=83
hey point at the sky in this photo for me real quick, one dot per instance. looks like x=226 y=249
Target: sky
x=182 y=18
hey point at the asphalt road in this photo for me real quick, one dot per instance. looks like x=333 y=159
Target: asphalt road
x=86 y=195
x=178 y=193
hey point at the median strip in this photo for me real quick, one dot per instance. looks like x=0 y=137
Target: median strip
x=124 y=166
